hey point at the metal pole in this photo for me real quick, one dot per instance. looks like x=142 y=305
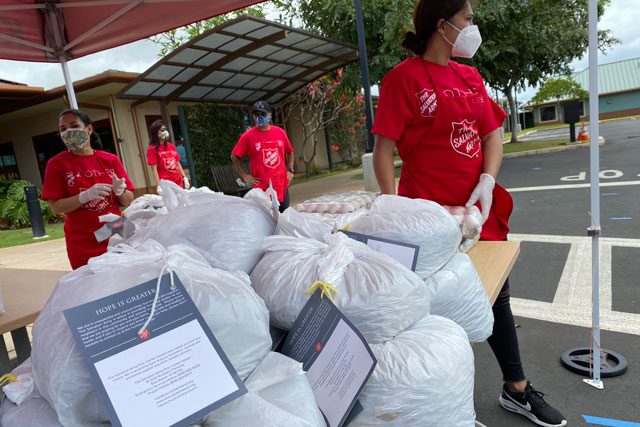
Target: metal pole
x=364 y=73
x=35 y=213
x=68 y=83
x=594 y=128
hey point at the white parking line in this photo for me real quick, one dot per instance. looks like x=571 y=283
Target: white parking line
x=572 y=301
x=572 y=186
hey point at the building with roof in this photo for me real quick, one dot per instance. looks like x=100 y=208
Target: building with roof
x=619 y=94
x=233 y=64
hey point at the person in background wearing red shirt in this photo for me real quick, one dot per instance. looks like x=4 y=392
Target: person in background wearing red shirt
x=163 y=157
x=84 y=184
x=270 y=155
x=438 y=115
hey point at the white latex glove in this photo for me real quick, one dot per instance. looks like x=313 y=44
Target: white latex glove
x=118 y=184
x=484 y=193
x=96 y=192
x=185 y=182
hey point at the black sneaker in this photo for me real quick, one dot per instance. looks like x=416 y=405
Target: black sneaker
x=532 y=405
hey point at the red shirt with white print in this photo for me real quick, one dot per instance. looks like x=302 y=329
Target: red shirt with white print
x=267 y=151
x=167 y=159
x=68 y=174
x=438 y=116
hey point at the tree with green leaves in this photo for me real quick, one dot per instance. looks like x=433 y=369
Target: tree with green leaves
x=385 y=23
x=527 y=41
x=559 y=88
x=172 y=39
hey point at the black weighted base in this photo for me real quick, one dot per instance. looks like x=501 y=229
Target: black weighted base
x=580 y=361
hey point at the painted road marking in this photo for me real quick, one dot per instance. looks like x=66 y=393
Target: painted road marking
x=572 y=301
x=571 y=186
x=621 y=218
x=609 y=422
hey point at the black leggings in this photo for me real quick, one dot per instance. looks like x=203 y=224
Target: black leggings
x=504 y=340
x=285 y=203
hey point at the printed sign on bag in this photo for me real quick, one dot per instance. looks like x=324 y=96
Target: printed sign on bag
x=172 y=373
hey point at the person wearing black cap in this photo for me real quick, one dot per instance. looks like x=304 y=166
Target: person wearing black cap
x=270 y=154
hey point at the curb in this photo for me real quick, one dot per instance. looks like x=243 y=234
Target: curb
x=601 y=141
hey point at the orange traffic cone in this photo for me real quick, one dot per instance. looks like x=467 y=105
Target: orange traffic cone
x=583 y=134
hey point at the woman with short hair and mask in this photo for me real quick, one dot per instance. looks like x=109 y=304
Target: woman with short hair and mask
x=84 y=183
x=438 y=115
x=163 y=157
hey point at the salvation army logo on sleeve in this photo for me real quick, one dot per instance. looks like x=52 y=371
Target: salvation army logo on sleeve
x=464 y=138
x=427 y=102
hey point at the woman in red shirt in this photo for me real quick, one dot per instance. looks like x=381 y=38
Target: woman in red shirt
x=84 y=184
x=438 y=115
x=163 y=157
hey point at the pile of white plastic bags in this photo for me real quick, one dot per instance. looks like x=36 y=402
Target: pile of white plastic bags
x=248 y=267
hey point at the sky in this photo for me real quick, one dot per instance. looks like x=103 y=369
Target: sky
x=622 y=17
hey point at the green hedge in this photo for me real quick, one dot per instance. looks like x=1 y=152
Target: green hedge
x=13 y=205
x=213 y=132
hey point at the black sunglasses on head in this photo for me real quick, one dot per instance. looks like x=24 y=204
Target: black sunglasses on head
x=260 y=113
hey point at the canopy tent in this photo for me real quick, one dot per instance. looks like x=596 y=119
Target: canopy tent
x=240 y=62
x=60 y=30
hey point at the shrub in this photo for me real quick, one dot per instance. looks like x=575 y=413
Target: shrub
x=13 y=204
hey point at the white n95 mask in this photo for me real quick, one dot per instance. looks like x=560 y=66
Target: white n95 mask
x=467 y=43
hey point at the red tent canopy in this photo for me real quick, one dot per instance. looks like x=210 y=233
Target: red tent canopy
x=45 y=30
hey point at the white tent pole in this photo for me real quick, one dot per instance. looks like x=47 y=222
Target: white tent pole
x=68 y=83
x=594 y=131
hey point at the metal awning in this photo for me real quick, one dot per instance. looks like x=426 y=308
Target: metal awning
x=240 y=62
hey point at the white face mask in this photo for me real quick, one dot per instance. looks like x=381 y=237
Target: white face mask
x=467 y=43
x=164 y=134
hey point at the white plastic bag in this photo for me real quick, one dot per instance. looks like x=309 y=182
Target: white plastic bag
x=33 y=411
x=295 y=224
x=376 y=293
x=338 y=203
x=424 y=377
x=457 y=293
x=278 y=395
x=416 y=221
x=228 y=304
x=227 y=231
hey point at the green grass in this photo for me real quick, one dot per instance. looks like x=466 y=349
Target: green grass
x=24 y=236
x=533 y=145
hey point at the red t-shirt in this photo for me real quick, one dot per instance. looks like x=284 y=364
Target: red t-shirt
x=266 y=151
x=408 y=105
x=68 y=174
x=167 y=160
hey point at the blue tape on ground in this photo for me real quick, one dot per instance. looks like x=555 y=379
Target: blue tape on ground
x=621 y=218
x=609 y=422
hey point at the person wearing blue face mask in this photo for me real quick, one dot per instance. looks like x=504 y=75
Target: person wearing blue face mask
x=270 y=155
x=436 y=112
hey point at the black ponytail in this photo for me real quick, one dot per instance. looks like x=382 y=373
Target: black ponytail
x=425 y=20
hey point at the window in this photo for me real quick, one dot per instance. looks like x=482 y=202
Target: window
x=8 y=164
x=548 y=114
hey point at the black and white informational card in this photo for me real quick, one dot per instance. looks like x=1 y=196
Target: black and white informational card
x=334 y=354
x=172 y=373
x=405 y=253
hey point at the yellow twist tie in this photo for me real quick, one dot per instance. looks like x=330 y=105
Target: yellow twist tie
x=346 y=227
x=6 y=379
x=327 y=289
